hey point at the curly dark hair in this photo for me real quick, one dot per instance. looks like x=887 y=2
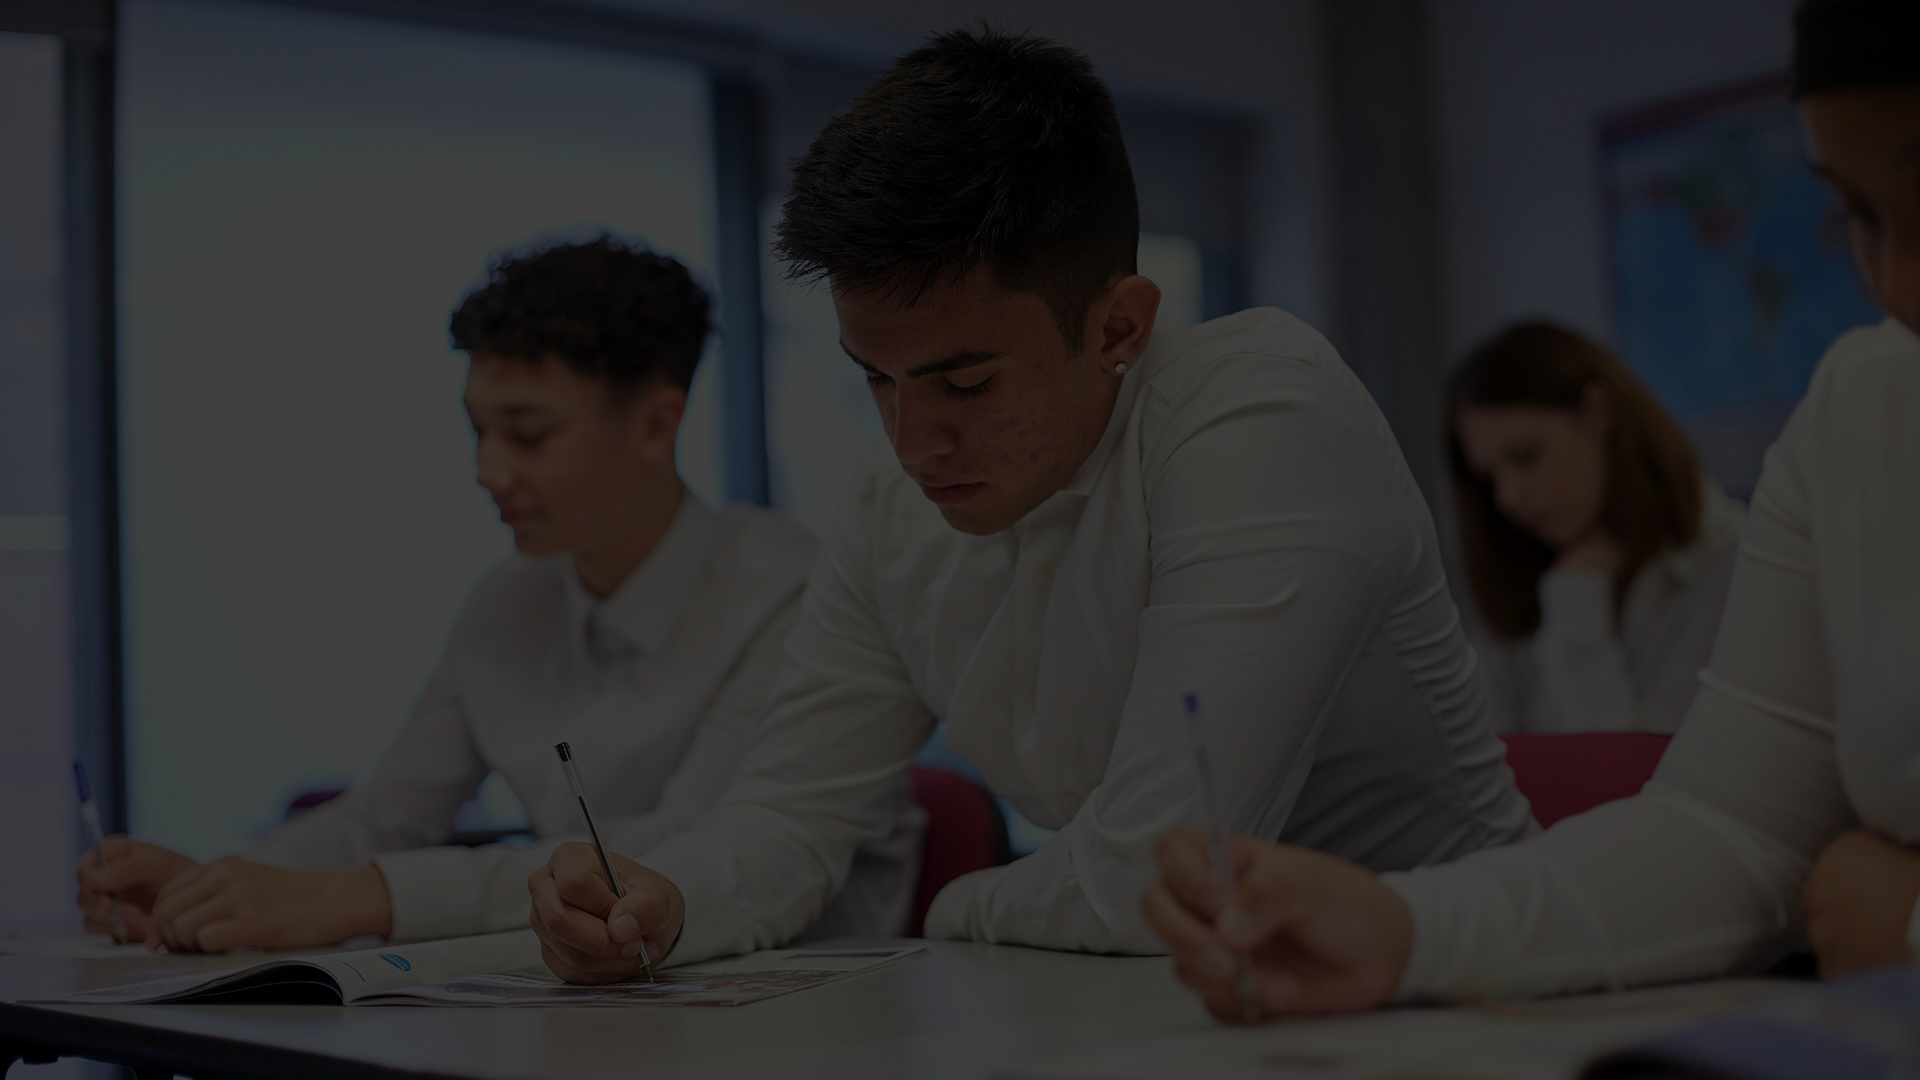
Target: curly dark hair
x=981 y=147
x=608 y=308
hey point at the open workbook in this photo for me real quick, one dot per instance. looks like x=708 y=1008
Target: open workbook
x=493 y=969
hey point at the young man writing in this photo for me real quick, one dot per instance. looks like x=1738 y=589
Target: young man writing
x=635 y=622
x=1079 y=522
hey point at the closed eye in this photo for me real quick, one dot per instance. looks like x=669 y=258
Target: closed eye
x=975 y=390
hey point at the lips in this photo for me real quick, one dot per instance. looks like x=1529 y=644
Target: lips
x=950 y=494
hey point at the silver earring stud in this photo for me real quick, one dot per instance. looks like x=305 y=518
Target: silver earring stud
x=1120 y=369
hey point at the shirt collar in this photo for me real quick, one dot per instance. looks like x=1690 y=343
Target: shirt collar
x=645 y=608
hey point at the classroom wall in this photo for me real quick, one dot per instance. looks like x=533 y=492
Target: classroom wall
x=1519 y=88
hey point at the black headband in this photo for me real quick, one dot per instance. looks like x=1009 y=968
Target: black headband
x=1847 y=43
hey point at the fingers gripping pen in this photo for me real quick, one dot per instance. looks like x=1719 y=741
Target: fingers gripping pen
x=580 y=793
x=1217 y=848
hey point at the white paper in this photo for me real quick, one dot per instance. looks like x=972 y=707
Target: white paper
x=734 y=981
x=345 y=977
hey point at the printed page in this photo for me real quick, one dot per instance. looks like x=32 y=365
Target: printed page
x=734 y=981
x=393 y=967
x=337 y=978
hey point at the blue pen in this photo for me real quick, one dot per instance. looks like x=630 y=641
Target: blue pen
x=90 y=813
x=1217 y=847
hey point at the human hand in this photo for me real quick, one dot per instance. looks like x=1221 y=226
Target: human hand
x=134 y=873
x=587 y=935
x=1857 y=903
x=1323 y=935
x=1595 y=551
x=232 y=902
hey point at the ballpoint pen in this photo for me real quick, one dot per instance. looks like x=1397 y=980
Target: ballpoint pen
x=90 y=814
x=580 y=792
x=1217 y=848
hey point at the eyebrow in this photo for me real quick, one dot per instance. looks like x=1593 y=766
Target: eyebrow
x=957 y=362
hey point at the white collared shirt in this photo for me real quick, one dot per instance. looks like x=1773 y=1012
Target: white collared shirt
x=1806 y=723
x=1585 y=670
x=1245 y=530
x=658 y=688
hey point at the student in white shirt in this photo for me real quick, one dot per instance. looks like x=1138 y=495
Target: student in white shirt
x=1075 y=522
x=1787 y=804
x=1598 y=551
x=634 y=622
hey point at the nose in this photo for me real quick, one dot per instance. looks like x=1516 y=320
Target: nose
x=490 y=467
x=918 y=431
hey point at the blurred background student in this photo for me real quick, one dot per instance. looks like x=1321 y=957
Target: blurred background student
x=1597 y=549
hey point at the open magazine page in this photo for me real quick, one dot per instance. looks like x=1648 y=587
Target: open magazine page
x=335 y=978
x=734 y=981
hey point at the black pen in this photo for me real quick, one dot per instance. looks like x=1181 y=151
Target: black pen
x=580 y=792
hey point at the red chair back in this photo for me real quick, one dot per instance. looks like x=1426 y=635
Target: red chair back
x=965 y=832
x=1567 y=774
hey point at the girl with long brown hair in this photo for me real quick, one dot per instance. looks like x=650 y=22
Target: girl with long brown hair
x=1597 y=550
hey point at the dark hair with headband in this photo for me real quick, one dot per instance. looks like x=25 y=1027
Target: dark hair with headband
x=1841 y=44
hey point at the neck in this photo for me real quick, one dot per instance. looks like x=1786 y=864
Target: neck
x=602 y=566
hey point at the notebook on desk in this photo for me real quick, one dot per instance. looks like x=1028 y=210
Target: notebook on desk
x=491 y=969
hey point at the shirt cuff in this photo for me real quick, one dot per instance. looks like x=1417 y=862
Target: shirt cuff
x=1577 y=605
x=1451 y=911
x=712 y=923
x=433 y=893
x=950 y=917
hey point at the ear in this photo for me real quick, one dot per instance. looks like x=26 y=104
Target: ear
x=1120 y=321
x=1596 y=409
x=653 y=416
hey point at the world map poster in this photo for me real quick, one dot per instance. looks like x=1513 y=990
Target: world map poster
x=1730 y=271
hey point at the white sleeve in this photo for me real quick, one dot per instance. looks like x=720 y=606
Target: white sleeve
x=408 y=802
x=1701 y=873
x=1265 y=585
x=1582 y=680
x=450 y=891
x=820 y=778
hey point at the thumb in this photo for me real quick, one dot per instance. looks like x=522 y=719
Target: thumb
x=638 y=913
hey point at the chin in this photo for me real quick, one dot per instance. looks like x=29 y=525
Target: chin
x=975 y=523
x=532 y=543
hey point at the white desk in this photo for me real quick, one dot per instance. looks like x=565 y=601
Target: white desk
x=964 y=1011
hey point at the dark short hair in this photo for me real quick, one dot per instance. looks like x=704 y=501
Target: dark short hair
x=1840 y=44
x=609 y=308
x=1655 y=491
x=979 y=148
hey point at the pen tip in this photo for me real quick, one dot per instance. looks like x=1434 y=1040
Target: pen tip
x=561 y=749
x=1192 y=703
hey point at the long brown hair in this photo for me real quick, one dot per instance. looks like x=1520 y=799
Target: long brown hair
x=1654 y=492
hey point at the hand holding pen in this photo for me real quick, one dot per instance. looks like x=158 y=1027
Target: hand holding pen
x=613 y=879
x=90 y=815
x=1218 y=854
